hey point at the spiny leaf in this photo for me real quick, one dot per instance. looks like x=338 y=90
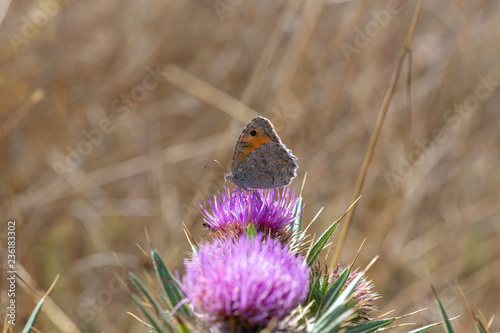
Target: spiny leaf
x=320 y=244
x=446 y=320
x=480 y=327
x=169 y=283
x=145 y=291
x=152 y=301
x=337 y=309
x=425 y=328
x=297 y=223
x=370 y=326
x=447 y=323
x=334 y=290
x=152 y=319
x=313 y=289
x=335 y=320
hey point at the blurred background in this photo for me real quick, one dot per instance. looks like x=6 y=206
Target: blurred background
x=109 y=110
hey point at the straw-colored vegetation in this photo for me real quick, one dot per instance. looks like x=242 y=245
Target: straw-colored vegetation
x=109 y=110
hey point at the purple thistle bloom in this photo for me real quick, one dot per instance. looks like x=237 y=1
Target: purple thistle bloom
x=233 y=211
x=245 y=281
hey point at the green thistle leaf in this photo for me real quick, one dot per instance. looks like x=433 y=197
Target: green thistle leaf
x=169 y=283
x=155 y=325
x=337 y=311
x=425 y=328
x=370 y=326
x=296 y=225
x=336 y=287
x=151 y=299
x=446 y=320
x=320 y=244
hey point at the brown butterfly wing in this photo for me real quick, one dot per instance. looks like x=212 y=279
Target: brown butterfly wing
x=260 y=160
x=258 y=132
x=269 y=166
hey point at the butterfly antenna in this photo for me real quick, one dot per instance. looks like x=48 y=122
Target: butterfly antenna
x=224 y=169
x=211 y=167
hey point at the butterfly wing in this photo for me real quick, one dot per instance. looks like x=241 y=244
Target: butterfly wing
x=270 y=165
x=258 y=132
x=260 y=159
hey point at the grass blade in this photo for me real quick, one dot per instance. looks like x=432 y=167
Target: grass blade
x=34 y=315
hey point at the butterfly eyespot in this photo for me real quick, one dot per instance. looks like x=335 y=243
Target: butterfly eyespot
x=253 y=133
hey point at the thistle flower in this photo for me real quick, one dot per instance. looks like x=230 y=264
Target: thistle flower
x=232 y=212
x=362 y=297
x=241 y=285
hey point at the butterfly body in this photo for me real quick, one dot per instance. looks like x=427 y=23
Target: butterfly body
x=261 y=160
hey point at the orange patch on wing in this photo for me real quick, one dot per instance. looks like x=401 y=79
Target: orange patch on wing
x=253 y=142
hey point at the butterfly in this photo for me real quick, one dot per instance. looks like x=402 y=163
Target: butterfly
x=260 y=159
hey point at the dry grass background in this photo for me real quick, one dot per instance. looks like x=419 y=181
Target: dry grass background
x=285 y=60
